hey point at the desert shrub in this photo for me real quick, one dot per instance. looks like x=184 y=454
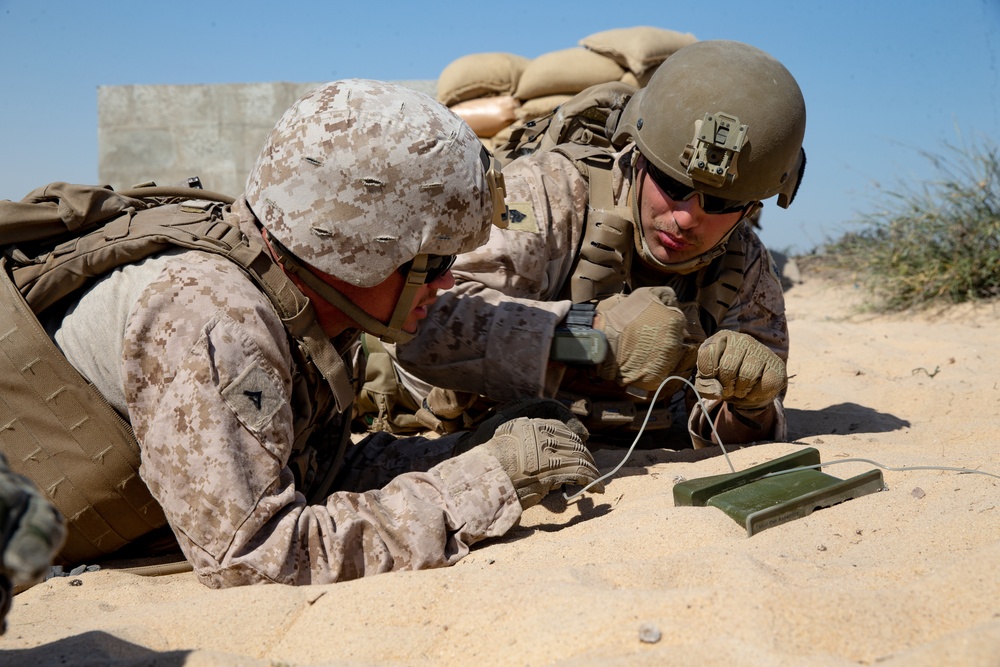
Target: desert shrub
x=934 y=242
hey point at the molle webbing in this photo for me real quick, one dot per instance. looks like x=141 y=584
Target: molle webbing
x=59 y=431
x=605 y=250
x=588 y=119
x=720 y=283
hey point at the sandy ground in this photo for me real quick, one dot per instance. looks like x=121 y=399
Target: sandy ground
x=908 y=576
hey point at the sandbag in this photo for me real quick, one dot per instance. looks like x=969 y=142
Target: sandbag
x=488 y=115
x=566 y=72
x=641 y=80
x=500 y=138
x=540 y=106
x=637 y=49
x=480 y=75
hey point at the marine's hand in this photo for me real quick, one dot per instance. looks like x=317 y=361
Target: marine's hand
x=645 y=331
x=31 y=534
x=31 y=529
x=533 y=408
x=540 y=455
x=739 y=369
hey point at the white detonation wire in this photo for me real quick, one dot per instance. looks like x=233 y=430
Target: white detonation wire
x=718 y=439
x=642 y=429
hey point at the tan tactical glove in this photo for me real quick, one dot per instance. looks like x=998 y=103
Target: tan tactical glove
x=533 y=408
x=645 y=331
x=739 y=369
x=443 y=411
x=31 y=534
x=540 y=455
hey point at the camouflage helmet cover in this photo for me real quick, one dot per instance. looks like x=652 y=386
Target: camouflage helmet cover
x=723 y=117
x=358 y=177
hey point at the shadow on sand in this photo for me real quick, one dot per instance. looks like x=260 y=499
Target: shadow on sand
x=93 y=649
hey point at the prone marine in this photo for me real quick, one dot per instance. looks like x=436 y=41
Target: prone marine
x=224 y=349
x=628 y=263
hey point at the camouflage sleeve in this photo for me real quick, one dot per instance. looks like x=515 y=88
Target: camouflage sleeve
x=760 y=304
x=492 y=332
x=759 y=311
x=208 y=380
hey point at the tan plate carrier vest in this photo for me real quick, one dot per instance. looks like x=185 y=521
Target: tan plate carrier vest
x=604 y=261
x=55 y=427
x=604 y=267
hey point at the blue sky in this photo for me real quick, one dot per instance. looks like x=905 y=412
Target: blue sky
x=883 y=80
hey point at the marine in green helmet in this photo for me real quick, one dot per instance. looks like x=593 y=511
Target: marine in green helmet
x=633 y=260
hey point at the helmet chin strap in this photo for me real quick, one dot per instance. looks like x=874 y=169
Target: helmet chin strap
x=688 y=265
x=391 y=332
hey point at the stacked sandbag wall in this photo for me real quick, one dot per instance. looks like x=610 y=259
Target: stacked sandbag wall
x=495 y=92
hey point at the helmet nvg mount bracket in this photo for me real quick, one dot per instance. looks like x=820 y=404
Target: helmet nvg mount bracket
x=711 y=155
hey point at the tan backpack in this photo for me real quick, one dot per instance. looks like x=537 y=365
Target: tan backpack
x=55 y=427
x=589 y=118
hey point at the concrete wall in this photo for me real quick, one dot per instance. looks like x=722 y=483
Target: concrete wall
x=169 y=133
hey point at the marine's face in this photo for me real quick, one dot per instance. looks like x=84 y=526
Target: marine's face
x=380 y=301
x=677 y=231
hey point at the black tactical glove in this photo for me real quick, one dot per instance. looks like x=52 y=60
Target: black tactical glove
x=31 y=534
x=646 y=333
x=739 y=369
x=540 y=455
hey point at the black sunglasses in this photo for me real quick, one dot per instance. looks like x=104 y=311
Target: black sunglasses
x=679 y=192
x=437 y=266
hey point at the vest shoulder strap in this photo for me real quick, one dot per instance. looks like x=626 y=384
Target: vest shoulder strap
x=606 y=247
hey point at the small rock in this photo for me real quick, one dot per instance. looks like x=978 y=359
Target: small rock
x=917 y=493
x=649 y=634
x=76 y=582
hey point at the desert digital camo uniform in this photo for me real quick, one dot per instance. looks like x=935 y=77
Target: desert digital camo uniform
x=492 y=333
x=196 y=357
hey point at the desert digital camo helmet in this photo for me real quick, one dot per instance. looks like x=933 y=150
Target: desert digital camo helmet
x=723 y=117
x=360 y=177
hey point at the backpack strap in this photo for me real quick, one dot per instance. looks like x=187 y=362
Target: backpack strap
x=198 y=225
x=298 y=317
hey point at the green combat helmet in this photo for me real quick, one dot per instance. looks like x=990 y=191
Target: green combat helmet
x=360 y=177
x=724 y=118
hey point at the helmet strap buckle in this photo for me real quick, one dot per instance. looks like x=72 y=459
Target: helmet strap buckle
x=498 y=189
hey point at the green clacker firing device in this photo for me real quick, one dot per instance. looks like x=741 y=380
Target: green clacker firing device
x=759 y=499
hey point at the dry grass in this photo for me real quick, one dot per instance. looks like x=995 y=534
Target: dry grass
x=935 y=243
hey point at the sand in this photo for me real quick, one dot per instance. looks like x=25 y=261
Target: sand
x=907 y=576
